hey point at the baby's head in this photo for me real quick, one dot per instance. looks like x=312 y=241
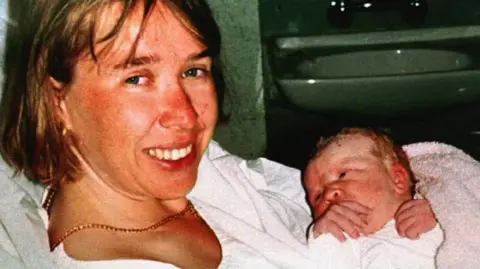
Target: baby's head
x=359 y=165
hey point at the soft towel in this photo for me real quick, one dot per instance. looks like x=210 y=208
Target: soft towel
x=450 y=180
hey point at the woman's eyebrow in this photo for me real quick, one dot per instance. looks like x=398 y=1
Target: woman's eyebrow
x=203 y=54
x=153 y=59
x=138 y=61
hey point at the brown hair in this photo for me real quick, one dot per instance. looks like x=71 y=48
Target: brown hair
x=46 y=40
x=383 y=148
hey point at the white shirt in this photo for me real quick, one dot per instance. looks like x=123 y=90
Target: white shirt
x=384 y=249
x=256 y=208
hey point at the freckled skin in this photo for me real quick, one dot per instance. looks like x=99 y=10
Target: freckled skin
x=164 y=99
x=114 y=121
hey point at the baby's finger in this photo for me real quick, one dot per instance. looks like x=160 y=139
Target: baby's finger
x=354 y=213
x=356 y=207
x=345 y=223
x=338 y=233
x=403 y=225
x=406 y=208
x=404 y=216
x=332 y=229
x=413 y=207
x=412 y=231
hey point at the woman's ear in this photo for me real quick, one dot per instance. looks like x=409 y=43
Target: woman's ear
x=57 y=99
x=400 y=179
x=57 y=85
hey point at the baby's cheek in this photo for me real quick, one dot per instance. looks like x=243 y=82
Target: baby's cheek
x=366 y=194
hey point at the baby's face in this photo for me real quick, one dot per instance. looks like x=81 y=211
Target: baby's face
x=348 y=171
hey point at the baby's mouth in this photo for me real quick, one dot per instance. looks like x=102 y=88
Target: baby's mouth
x=321 y=207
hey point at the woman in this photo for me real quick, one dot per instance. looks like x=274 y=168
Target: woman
x=112 y=105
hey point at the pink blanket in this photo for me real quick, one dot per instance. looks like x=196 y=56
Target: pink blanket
x=453 y=189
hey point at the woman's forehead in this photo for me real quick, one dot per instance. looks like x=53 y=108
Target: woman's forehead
x=159 y=32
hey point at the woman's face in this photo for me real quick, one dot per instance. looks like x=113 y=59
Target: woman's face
x=143 y=127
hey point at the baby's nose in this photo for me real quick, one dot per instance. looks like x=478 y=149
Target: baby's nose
x=333 y=195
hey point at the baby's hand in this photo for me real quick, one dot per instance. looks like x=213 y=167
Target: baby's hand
x=414 y=218
x=348 y=217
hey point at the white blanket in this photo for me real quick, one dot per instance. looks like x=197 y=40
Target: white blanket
x=450 y=180
x=384 y=249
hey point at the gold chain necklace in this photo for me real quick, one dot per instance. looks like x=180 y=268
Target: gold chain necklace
x=188 y=209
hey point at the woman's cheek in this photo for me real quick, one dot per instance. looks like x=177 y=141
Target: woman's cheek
x=139 y=116
x=203 y=97
x=205 y=110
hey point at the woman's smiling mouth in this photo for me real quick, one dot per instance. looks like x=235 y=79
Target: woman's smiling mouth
x=169 y=154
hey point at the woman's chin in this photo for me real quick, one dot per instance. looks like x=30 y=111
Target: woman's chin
x=178 y=189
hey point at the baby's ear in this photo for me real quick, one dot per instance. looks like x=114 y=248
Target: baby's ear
x=400 y=178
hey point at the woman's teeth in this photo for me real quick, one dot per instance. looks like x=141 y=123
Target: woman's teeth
x=170 y=154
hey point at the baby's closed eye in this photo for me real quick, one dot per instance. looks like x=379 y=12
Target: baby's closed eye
x=318 y=196
x=343 y=173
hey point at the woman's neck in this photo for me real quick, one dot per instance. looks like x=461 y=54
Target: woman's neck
x=87 y=200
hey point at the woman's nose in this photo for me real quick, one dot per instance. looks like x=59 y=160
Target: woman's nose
x=177 y=111
x=333 y=195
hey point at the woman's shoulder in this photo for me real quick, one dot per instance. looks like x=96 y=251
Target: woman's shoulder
x=23 y=233
x=13 y=183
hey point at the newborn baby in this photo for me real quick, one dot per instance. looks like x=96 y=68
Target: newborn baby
x=365 y=166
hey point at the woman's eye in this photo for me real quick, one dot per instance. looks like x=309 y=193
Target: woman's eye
x=194 y=72
x=135 y=80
